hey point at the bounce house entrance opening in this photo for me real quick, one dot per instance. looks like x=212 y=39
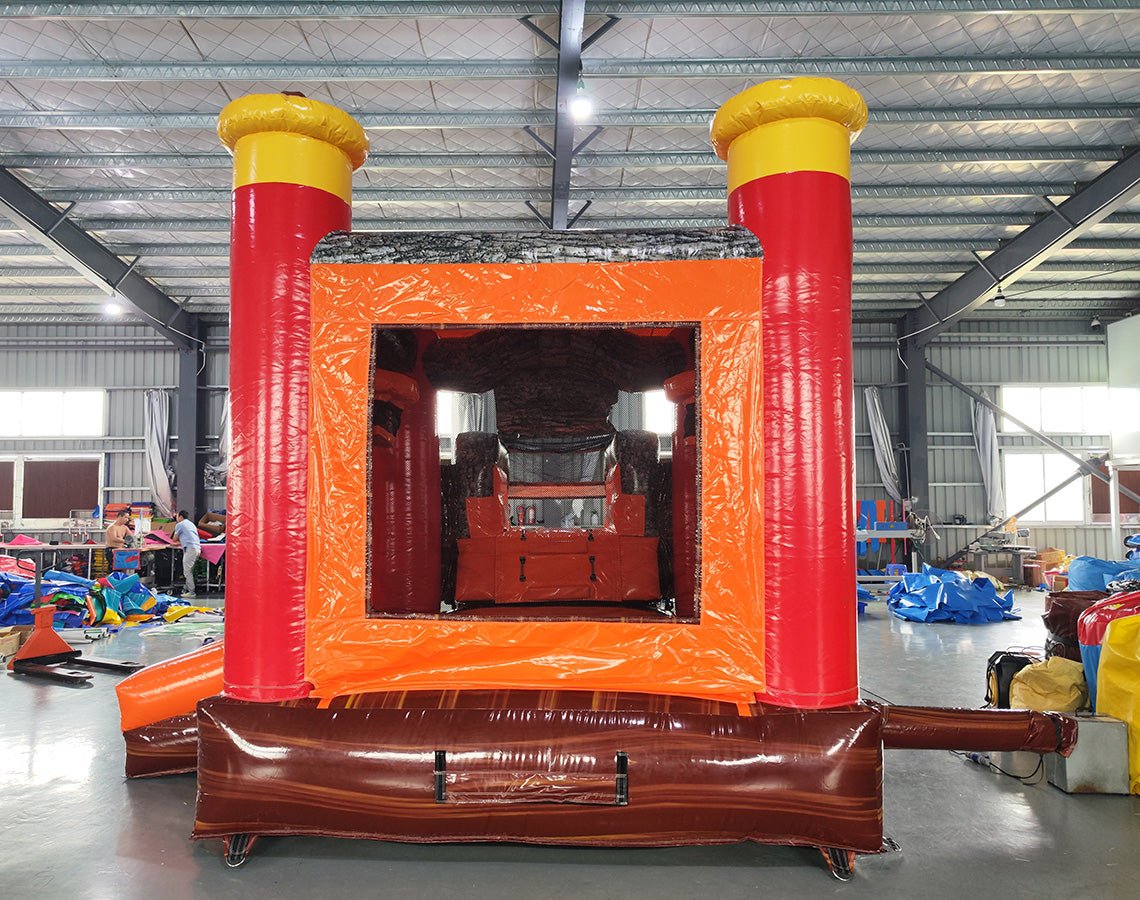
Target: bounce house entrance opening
x=567 y=483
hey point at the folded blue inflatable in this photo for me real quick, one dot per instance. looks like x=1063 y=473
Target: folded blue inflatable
x=1087 y=573
x=936 y=595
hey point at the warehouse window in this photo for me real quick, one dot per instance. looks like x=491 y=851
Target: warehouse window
x=52 y=413
x=1057 y=409
x=657 y=412
x=1030 y=475
x=47 y=491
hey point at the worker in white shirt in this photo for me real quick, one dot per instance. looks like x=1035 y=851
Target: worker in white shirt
x=186 y=537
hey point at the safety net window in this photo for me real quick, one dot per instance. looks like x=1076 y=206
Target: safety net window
x=548 y=504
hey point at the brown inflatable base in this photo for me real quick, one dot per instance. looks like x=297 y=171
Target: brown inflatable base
x=935 y=728
x=542 y=768
x=168 y=747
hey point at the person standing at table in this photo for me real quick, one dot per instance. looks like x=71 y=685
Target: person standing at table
x=116 y=536
x=186 y=537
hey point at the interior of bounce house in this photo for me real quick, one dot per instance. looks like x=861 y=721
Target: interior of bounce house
x=557 y=629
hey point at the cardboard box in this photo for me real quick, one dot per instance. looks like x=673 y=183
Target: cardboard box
x=12 y=637
x=1049 y=558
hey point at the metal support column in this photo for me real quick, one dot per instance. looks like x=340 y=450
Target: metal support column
x=190 y=463
x=915 y=426
x=569 y=68
x=1114 y=512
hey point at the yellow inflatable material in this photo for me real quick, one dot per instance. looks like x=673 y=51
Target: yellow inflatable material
x=1118 y=686
x=288 y=114
x=1056 y=685
x=795 y=98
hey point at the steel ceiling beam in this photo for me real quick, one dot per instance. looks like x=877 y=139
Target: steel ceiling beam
x=485 y=9
x=58 y=290
x=1025 y=288
x=517 y=118
x=520 y=194
x=970 y=246
x=1075 y=267
x=845 y=66
x=622 y=160
x=212 y=306
x=962 y=220
x=68 y=242
x=1058 y=229
x=571 y=16
x=355 y=71
x=278 y=71
x=185 y=283
x=194 y=272
x=182 y=249
x=1104 y=304
x=362 y=223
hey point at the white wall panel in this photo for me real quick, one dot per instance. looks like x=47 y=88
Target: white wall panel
x=984 y=355
x=128 y=359
x=125 y=360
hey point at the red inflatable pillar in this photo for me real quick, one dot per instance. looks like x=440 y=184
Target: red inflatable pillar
x=293 y=163
x=406 y=508
x=682 y=391
x=787 y=144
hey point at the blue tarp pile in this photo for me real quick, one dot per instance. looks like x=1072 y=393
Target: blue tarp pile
x=936 y=595
x=1087 y=573
x=80 y=601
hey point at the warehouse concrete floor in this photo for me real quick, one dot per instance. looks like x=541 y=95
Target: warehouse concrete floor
x=73 y=828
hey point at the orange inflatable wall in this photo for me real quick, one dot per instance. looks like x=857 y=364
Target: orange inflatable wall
x=722 y=656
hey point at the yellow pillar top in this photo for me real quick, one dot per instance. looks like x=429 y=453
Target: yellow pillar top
x=257 y=113
x=795 y=98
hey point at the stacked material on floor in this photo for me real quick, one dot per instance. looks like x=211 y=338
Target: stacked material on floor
x=118 y=599
x=1087 y=573
x=1118 y=685
x=938 y=595
x=1062 y=611
x=1092 y=628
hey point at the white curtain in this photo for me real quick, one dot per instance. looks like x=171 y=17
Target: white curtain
x=217 y=472
x=476 y=412
x=156 y=440
x=881 y=439
x=986 y=443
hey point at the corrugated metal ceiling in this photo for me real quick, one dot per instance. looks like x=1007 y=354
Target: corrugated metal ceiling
x=980 y=108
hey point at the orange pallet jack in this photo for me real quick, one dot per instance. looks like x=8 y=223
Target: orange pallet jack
x=45 y=651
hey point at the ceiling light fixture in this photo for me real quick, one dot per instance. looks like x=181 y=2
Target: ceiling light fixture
x=113 y=308
x=999 y=298
x=581 y=106
x=1095 y=323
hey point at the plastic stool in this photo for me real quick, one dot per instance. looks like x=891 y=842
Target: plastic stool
x=895 y=569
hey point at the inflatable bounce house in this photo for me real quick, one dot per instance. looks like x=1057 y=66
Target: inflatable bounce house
x=555 y=635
